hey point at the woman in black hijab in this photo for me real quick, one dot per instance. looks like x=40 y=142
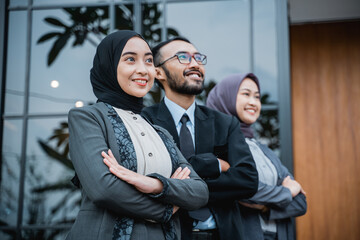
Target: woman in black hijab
x=152 y=179
x=268 y=214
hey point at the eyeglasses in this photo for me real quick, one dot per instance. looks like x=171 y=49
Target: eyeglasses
x=185 y=58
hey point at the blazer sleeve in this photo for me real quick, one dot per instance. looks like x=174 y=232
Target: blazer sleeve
x=189 y=194
x=297 y=207
x=241 y=179
x=278 y=198
x=275 y=195
x=88 y=138
x=206 y=165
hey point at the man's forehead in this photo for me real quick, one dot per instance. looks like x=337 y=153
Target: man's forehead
x=177 y=46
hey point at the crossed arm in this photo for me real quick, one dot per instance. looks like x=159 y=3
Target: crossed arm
x=90 y=134
x=142 y=183
x=287 y=199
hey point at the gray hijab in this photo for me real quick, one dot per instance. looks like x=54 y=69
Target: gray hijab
x=223 y=98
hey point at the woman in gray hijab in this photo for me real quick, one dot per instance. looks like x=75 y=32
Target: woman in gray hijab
x=269 y=213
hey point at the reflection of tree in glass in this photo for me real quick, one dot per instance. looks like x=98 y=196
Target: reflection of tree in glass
x=83 y=22
x=35 y=204
x=151 y=27
x=89 y=22
x=267 y=126
x=66 y=203
x=8 y=202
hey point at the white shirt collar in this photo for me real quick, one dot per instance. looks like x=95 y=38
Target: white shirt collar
x=177 y=112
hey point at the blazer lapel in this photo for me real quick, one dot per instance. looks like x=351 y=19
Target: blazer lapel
x=204 y=142
x=166 y=121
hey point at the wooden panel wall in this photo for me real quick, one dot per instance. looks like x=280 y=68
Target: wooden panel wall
x=325 y=73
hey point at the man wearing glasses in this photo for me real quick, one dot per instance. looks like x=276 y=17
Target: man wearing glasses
x=211 y=141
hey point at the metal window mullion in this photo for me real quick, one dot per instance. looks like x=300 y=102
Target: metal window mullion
x=283 y=63
x=251 y=35
x=163 y=22
x=112 y=16
x=138 y=17
x=37 y=116
x=66 y=5
x=4 y=17
x=25 y=122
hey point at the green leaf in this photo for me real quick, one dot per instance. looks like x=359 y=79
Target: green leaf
x=172 y=31
x=61 y=185
x=55 y=155
x=48 y=36
x=57 y=47
x=54 y=21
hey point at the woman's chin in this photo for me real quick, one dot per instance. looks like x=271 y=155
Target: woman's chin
x=249 y=120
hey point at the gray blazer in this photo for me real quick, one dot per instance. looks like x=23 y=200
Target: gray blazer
x=105 y=197
x=282 y=206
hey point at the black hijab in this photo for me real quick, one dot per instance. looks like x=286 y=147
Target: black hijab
x=103 y=74
x=223 y=98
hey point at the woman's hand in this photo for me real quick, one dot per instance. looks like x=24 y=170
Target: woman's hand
x=140 y=182
x=294 y=187
x=181 y=173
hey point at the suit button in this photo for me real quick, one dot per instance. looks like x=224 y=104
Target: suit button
x=142 y=134
x=150 y=154
x=135 y=118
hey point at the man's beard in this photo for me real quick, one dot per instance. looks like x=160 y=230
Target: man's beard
x=184 y=88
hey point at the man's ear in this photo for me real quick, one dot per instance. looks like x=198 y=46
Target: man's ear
x=160 y=74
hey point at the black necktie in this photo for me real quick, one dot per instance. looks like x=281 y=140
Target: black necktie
x=187 y=149
x=186 y=142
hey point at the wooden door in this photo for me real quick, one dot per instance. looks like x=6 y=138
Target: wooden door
x=325 y=78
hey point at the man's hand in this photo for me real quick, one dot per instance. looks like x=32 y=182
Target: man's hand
x=140 y=182
x=260 y=207
x=224 y=165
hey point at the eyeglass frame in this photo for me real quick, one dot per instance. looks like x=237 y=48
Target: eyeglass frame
x=192 y=56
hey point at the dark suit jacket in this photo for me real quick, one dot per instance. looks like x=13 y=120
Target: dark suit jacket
x=217 y=135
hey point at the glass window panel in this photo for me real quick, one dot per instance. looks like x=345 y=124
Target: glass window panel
x=124 y=16
x=49 y=197
x=10 y=171
x=265 y=47
x=152 y=31
x=17 y=3
x=8 y=234
x=265 y=67
x=44 y=234
x=152 y=23
x=70 y=70
x=60 y=2
x=219 y=29
x=15 y=72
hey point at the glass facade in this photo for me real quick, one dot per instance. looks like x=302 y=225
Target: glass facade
x=50 y=47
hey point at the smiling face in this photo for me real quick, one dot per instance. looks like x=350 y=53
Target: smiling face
x=248 y=103
x=181 y=78
x=135 y=70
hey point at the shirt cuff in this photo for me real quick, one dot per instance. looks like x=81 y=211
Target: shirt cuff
x=168 y=213
x=219 y=166
x=165 y=183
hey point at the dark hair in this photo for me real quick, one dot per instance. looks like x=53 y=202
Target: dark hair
x=157 y=56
